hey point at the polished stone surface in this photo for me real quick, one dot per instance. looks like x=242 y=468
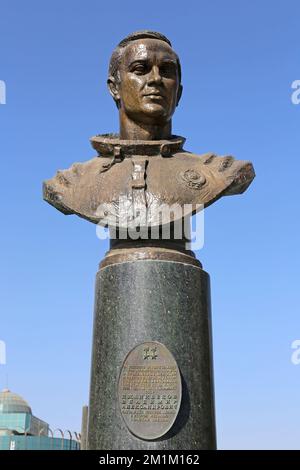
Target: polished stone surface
x=152 y=300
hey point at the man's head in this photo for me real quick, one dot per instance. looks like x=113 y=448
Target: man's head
x=145 y=77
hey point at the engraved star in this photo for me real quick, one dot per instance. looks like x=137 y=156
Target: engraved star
x=146 y=353
x=154 y=353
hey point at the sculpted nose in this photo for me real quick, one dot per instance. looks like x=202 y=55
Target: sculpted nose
x=155 y=76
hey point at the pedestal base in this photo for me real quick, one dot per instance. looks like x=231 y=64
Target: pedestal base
x=152 y=300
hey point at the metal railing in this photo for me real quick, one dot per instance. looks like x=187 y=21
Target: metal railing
x=23 y=440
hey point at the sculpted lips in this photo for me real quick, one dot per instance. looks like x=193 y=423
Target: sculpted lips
x=154 y=94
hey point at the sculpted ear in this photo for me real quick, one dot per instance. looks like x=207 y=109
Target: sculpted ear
x=113 y=88
x=179 y=93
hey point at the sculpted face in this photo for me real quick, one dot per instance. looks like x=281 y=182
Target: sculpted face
x=149 y=88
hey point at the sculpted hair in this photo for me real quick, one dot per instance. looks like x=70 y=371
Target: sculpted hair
x=116 y=57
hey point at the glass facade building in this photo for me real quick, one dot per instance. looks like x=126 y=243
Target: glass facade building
x=21 y=430
x=14 y=442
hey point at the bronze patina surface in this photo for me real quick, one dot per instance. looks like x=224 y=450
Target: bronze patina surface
x=151 y=290
x=149 y=390
x=145 y=166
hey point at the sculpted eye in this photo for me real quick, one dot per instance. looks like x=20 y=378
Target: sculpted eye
x=168 y=70
x=139 y=69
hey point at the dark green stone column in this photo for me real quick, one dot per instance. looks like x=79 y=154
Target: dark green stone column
x=152 y=296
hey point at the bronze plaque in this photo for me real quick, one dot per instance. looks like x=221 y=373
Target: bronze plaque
x=149 y=390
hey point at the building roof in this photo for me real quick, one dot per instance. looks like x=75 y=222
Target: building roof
x=13 y=403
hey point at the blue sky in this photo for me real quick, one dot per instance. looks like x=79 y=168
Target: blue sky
x=239 y=60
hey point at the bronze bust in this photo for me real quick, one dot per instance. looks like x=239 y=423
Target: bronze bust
x=145 y=165
x=151 y=293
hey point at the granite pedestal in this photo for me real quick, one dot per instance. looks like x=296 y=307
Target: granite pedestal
x=160 y=297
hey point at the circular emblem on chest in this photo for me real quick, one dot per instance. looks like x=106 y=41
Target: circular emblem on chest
x=193 y=178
